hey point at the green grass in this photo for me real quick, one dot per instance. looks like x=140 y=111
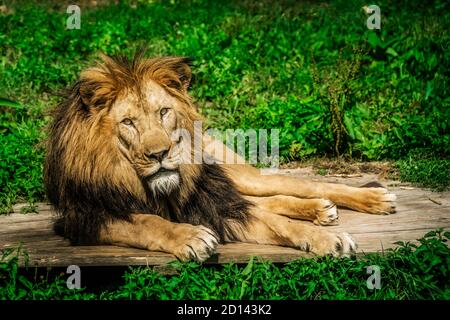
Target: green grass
x=312 y=70
x=407 y=272
x=424 y=169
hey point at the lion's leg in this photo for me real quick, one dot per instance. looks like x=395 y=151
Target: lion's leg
x=265 y=227
x=152 y=232
x=376 y=200
x=320 y=211
x=249 y=181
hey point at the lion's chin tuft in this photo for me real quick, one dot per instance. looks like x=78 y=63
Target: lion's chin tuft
x=163 y=183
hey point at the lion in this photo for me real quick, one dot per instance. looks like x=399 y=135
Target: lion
x=115 y=175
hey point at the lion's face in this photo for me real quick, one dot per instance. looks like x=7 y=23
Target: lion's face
x=145 y=120
x=119 y=128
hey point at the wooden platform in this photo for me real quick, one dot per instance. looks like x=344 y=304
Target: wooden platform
x=419 y=211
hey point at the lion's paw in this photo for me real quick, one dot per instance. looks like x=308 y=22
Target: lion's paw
x=378 y=200
x=326 y=213
x=194 y=243
x=334 y=244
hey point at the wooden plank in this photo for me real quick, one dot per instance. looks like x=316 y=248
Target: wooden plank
x=119 y=256
x=416 y=215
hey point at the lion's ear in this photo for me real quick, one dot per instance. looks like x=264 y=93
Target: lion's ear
x=174 y=72
x=96 y=89
x=183 y=69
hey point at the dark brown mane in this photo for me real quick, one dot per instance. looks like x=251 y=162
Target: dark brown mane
x=86 y=185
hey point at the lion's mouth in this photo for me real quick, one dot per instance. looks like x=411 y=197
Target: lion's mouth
x=165 y=171
x=161 y=173
x=150 y=171
x=162 y=170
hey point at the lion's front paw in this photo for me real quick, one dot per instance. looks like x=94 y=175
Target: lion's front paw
x=337 y=245
x=326 y=213
x=194 y=243
x=378 y=200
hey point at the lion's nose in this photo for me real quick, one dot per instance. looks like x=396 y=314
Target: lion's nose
x=159 y=155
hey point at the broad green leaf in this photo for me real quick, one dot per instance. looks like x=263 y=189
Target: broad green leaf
x=392 y=52
x=9 y=103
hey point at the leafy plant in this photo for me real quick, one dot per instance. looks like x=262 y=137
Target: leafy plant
x=334 y=86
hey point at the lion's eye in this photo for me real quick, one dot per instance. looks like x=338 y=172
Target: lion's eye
x=127 y=122
x=163 y=111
